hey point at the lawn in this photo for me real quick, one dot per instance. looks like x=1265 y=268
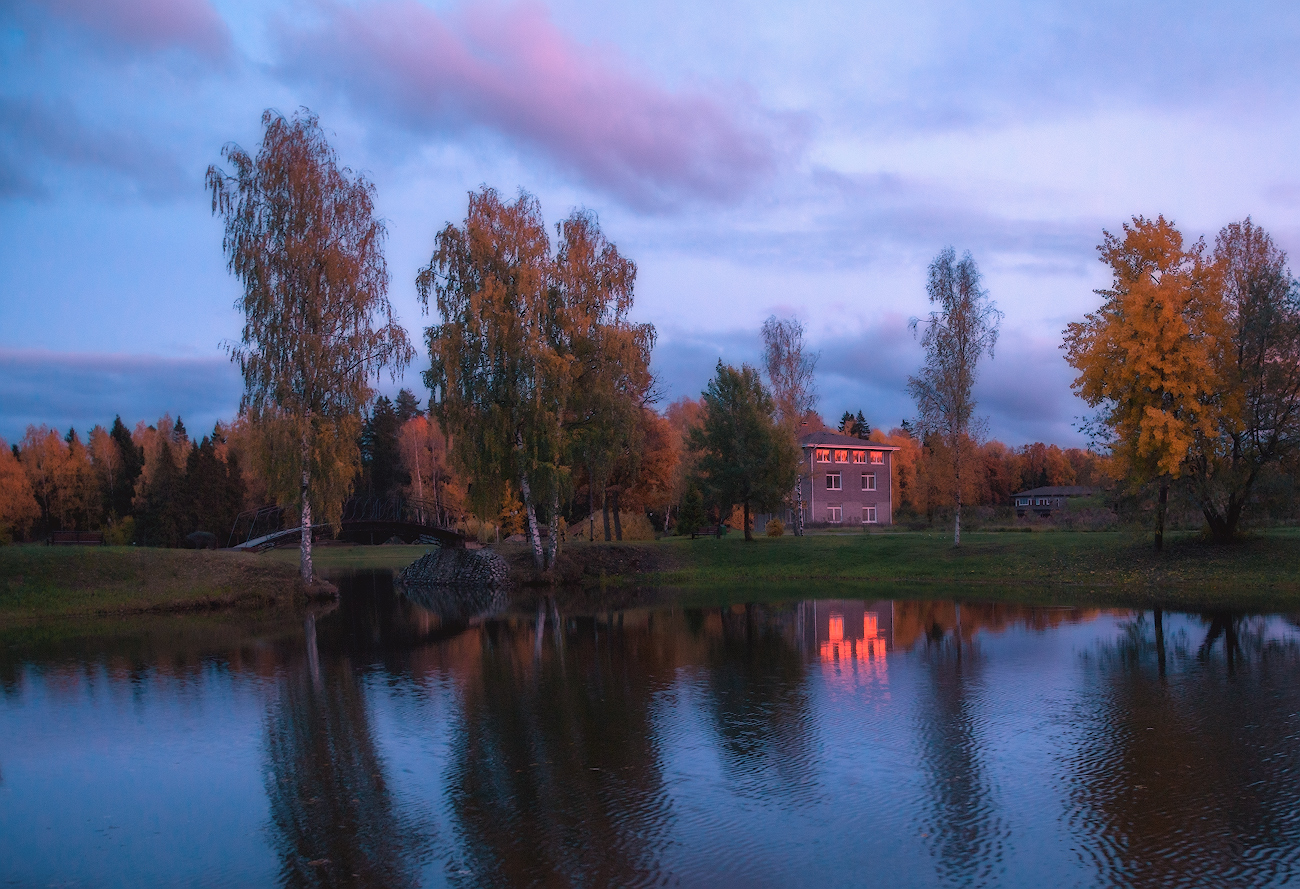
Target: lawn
x=57 y=581
x=1261 y=572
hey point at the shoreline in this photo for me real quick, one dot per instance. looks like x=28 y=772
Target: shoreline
x=1054 y=568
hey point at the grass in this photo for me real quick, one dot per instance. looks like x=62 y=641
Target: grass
x=44 y=581
x=1261 y=572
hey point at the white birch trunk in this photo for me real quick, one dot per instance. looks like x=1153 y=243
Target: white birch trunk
x=305 y=545
x=534 y=534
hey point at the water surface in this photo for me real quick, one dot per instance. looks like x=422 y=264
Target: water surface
x=829 y=742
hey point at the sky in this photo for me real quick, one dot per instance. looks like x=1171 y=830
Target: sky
x=752 y=159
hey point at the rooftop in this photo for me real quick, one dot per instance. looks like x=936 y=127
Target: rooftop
x=835 y=440
x=1058 y=491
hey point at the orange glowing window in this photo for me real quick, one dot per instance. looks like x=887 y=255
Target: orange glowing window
x=877 y=457
x=859 y=456
x=823 y=455
x=841 y=456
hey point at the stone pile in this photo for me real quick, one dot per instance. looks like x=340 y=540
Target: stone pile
x=454 y=566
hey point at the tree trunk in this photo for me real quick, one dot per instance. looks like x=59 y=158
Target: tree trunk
x=618 y=522
x=591 y=505
x=534 y=534
x=305 y=544
x=604 y=512
x=956 y=531
x=553 y=545
x=745 y=512
x=1161 y=506
x=798 y=508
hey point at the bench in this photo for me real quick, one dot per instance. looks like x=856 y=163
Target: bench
x=712 y=530
x=76 y=538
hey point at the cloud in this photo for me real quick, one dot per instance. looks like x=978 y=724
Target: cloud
x=36 y=134
x=80 y=390
x=150 y=25
x=512 y=72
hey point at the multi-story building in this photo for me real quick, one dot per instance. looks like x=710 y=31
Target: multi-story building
x=846 y=480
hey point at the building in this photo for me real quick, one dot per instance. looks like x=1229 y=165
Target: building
x=846 y=480
x=1041 y=501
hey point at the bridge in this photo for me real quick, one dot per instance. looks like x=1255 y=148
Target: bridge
x=366 y=520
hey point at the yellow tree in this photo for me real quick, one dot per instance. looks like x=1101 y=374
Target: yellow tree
x=302 y=238
x=1151 y=357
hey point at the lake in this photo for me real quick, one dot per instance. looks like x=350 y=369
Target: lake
x=827 y=742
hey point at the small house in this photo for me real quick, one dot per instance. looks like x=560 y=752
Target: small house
x=1041 y=501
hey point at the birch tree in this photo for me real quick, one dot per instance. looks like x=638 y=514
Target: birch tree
x=302 y=238
x=790 y=371
x=962 y=329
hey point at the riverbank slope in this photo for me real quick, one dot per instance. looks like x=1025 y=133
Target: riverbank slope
x=51 y=581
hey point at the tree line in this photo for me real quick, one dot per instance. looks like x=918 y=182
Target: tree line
x=543 y=411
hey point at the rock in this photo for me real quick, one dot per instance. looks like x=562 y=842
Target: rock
x=457 y=584
x=457 y=566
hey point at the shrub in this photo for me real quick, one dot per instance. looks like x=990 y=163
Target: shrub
x=775 y=527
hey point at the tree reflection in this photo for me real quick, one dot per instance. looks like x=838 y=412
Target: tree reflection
x=1190 y=778
x=557 y=778
x=333 y=822
x=758 y=696
x=962 y=825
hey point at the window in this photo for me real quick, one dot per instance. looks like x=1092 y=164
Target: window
x=868 y=515
x=1042 y=501
x=1022 y=501
x=859 y=456
x=823 y=455
x=868 y=481
x=878 y=457
x=832 y=481
x=833 y=515
x=841 y=456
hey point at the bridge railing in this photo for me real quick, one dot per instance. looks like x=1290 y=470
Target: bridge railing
x=254 y=523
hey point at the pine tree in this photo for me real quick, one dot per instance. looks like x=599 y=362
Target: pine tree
x=407 y=405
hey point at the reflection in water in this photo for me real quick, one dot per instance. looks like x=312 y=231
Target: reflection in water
x=396 y=741
x=333 y=822
x=1194 y=780
x=556 y=778
x=962 y=822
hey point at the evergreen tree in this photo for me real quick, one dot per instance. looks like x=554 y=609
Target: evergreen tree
x=161 y=515
x=132 y=466
x=407 y=405
x=691 y=516
x=381 y=454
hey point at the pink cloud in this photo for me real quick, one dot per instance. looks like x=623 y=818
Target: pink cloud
x=150 y=24
x=512 y=71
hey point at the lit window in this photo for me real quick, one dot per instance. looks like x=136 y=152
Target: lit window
x=823 y=455
x=869 y=515
x=878 y=457
x=833 y=515
x=832 y=481
x=841 y=456
x=859 y=456
x=868 y=481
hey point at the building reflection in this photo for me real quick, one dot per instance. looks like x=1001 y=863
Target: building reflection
x=868 y=648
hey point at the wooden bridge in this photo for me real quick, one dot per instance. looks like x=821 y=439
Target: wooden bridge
x=366 y=520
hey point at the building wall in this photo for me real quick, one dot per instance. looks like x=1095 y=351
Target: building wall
x=850 y=499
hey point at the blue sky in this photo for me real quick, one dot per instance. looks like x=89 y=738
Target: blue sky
x=753 y=159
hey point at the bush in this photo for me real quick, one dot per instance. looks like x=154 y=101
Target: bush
x=775 y=527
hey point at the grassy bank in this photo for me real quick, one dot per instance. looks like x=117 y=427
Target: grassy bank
x=1261 y=572
x=43 y=581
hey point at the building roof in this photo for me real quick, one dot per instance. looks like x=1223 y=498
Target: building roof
x=835 y=440
x=1057 y=491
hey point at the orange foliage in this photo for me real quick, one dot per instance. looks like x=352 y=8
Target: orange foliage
x=1152 y=355
x=18 y=507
